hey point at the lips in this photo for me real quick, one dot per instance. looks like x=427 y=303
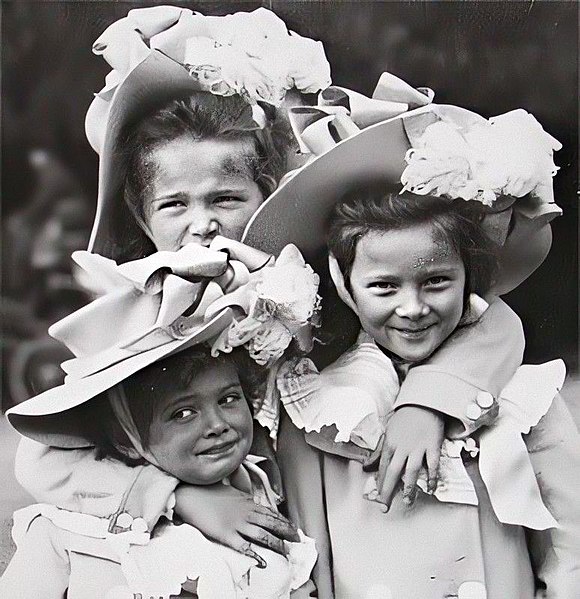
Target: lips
x=218 y=448
x=413 y=332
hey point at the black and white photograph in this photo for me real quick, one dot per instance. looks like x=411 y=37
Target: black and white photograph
x=289 y=301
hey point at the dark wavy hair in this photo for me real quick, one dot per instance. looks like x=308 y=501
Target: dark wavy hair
x=145 y=388
x=199 y=116
x=377 y=207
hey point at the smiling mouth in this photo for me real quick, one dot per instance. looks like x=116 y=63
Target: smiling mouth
x=219 y=448
x=414 y=332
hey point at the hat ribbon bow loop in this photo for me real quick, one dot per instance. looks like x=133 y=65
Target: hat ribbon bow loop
x=342 y=112
x=176 y=292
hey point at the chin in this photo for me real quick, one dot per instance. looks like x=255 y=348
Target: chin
x=413 y=355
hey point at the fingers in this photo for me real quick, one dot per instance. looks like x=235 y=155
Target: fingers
x=246 y=549
x=414 y=463
x=387 y=453
x=432 y=457
x=372 y=462
x=274 y=523
x=262 y=538
x=391 y=477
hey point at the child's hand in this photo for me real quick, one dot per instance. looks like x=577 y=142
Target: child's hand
x=413 y=436
x=231 y=518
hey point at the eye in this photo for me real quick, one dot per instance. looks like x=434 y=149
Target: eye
x=230 y=398
x=437 y=281
x=383 y=285
x=183 y=414
x=228 y=201
x=170 y=204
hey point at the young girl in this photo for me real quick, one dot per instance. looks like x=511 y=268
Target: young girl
x=144 y=389
x=185 y=204
x=408 y=266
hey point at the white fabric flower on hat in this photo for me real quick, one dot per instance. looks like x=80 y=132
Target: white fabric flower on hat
x=279 y=303
x=252 y=54
x=508 y=155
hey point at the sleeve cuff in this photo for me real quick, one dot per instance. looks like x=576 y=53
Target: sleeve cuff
x=467 y=406
x=147 y=499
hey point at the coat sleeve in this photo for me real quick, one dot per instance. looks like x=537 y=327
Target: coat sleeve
x=464 y=377
x=302 y=472
x=74 y=480
x=554 y=449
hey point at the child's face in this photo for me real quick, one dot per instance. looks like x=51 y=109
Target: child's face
x=200 y=189
x=408 y=288
x=202 y=433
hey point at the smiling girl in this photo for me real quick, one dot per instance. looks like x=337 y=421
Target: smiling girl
x=142 y=396
x=410 y=266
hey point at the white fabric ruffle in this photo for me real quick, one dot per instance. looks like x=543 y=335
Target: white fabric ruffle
x=180 y=555
x=349 y=402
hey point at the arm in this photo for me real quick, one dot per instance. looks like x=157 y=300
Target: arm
x=554 y=449
x=481 y=357
x=461 y=381
x=74 y=480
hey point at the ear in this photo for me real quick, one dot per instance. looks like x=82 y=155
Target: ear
x=338 y=280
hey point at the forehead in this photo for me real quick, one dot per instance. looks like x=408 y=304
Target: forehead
x=185 y=156
x=404 y=251
x=202 y=385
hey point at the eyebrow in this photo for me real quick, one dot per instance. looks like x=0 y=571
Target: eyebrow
x=213 y=191
x=428 y=269
x=178 y=195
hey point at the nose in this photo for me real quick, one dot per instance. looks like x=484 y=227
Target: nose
x=202 y=223
x=215 y=424
x=411 y=305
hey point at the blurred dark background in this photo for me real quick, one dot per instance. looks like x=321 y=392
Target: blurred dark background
x=490 y=57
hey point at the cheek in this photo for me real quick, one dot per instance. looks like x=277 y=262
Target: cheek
x=164 y=231
x=372 y=309
x=244 y=424
x=234 y=222
x=452 y=308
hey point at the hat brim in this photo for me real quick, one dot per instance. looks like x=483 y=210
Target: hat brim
x=158 y=79
x=298 y=211
x=50 y=417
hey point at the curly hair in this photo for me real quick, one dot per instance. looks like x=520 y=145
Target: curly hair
x=377 y=207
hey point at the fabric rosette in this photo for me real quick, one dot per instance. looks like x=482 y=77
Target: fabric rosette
x=251 y=54
x=482 y=159
x=279 y=304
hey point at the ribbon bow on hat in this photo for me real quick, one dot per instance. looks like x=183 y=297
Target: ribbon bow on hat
x=504 y=164
x=342 y=112
x=250 y=54
x=454 y=153
x=162 y=304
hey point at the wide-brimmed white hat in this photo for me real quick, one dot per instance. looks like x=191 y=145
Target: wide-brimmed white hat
x=166 y=52
x=151 y=308
x=504 y=163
